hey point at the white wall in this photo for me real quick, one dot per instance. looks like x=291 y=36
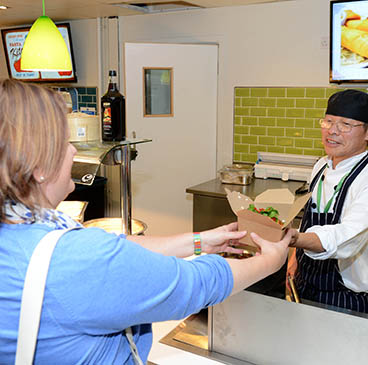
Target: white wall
x=84 y=35
x=274 y=44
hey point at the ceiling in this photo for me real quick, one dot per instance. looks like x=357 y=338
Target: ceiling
x=24 y=12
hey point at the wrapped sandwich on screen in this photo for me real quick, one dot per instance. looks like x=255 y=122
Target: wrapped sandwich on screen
x=354 y=38
x=358 y=24
x=349 y=15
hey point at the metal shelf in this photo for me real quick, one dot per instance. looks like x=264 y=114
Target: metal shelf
x=90 y=155
x=96 y=152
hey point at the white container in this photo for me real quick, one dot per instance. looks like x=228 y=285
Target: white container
x=83 y=127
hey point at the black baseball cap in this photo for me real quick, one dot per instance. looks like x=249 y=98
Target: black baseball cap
x=349 y=103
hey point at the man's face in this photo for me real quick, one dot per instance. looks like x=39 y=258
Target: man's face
x=340 y=146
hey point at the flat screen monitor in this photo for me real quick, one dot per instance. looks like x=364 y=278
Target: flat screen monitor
x=13 y=40
x=349 y=41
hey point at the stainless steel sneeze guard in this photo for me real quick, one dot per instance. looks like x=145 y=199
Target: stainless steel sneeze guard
x=191 y=336
x=265 y=330
x=250 y=328
x=90 y=155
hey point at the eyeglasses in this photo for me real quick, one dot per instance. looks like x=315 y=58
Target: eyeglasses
x=341 y=126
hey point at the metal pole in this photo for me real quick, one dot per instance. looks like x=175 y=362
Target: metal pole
x=125 y=189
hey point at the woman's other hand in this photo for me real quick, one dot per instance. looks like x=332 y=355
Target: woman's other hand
x=221 y=239
x=271 y=257
x=274 y=252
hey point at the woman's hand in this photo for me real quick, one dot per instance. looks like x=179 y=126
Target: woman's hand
x=274 y=252
x=270 y=259
x=214 y=240
x=221 y=239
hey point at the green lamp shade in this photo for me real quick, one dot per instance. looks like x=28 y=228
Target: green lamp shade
x=44 y=48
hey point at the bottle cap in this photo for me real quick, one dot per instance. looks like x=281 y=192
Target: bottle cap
x=112 y=73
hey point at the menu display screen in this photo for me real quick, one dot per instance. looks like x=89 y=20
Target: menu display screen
x=13 y=40
x=349 y=41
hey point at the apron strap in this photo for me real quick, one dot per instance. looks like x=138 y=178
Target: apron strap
x=316 y=177
x=340 y=199
x=304 y=224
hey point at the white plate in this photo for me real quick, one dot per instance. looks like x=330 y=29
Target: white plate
x=357 y=65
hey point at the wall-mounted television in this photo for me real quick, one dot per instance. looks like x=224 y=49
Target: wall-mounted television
x=349 y=41
x=13 y=40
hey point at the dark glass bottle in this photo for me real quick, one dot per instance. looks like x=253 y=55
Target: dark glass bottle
x=113 y=112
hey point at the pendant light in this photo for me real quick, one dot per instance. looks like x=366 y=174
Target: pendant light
x=44 y=48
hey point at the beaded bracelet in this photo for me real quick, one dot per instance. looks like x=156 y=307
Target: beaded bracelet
x=197 y=243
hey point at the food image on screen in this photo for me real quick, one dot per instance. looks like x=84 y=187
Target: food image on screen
x=354 y=41
x=349 y=41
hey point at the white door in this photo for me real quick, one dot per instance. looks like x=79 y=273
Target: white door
x=183 y=150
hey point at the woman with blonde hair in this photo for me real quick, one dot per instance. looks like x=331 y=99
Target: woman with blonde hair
x=99 y=283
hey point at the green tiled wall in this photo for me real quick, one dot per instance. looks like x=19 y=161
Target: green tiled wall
x=87 y=96
x=283 y=120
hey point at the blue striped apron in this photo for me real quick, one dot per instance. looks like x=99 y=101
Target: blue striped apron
x=320 y=280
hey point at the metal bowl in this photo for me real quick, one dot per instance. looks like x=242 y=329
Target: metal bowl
x=115 y=225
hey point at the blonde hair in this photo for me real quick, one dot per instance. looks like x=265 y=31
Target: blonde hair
x=33 y=135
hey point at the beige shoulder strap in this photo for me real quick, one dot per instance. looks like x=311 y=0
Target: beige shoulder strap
x=32 y=297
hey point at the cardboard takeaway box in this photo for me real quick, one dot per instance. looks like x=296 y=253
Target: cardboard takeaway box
x=282 y=200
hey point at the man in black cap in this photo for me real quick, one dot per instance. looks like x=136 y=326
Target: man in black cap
x=332 y=246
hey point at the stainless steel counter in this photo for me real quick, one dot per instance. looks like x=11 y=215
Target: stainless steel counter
x=215 y=188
